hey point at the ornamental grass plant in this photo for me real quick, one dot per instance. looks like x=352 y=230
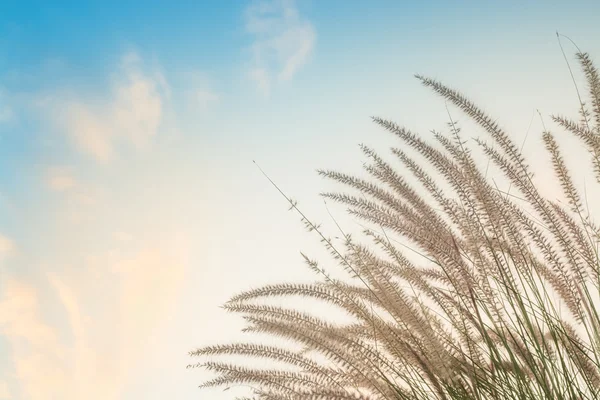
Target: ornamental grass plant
x=502 y=302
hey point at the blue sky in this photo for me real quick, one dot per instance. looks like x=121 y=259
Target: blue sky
x=129 y=205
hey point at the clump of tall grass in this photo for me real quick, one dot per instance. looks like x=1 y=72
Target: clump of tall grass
x=501 y=306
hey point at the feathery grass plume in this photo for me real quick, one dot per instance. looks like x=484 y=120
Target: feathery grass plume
x=501 y=304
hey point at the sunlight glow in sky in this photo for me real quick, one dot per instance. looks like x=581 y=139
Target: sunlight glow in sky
x=130 y=208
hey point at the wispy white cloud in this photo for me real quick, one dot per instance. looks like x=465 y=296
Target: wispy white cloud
x=89 y=132
x=261 y=78
x=198 y=94
x=138 y=106
x=85 y=329
x=131 y=115
x=79 y=197
x=34 y=345
x=283 y=42
x=108 y=343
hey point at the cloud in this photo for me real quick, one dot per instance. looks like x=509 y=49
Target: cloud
x=137 y=109
x=37 y=352
x=79 y=197
x=108 y=343
x=198 y=92
x=89 y=132
x=132 y=115
x=260 y=76
x=83 y=324
x=283 y=42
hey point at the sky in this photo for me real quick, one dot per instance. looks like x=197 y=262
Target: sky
x=130 y=206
